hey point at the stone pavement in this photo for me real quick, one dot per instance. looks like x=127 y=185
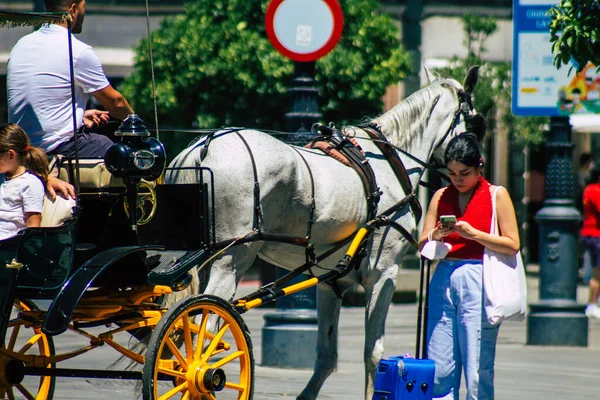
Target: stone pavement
x=522 y=372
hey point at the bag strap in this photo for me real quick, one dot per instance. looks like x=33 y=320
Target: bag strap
x=423 y=310
x=494 y=230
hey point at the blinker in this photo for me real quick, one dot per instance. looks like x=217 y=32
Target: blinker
x=137 y=156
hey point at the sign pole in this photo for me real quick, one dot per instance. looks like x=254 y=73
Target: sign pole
x=304 y=31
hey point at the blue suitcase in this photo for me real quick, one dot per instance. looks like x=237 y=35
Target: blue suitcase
x=401 y=378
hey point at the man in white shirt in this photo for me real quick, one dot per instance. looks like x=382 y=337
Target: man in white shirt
x=39 y=92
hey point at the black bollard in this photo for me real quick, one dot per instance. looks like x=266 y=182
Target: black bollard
x=289 y=336
x=558 y=320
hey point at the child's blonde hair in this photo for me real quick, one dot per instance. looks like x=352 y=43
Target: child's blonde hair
x=12 y=137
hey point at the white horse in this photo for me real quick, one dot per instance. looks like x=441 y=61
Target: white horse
x=421 y=125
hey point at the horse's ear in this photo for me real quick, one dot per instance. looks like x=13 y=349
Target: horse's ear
x=430 y=78
x=471 y=79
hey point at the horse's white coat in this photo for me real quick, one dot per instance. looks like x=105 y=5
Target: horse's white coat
x=417 y=125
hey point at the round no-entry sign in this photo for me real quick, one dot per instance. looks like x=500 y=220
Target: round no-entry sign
x=304 y=30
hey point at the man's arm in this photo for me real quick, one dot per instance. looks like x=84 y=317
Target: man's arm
x=113 y=102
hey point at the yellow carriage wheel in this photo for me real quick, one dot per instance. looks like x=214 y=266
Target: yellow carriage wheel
x=200 y=350
x=24 y=340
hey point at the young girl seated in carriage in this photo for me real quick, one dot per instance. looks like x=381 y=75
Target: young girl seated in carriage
x=23 y=176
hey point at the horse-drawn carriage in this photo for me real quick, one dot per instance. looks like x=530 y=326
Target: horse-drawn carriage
x=139 y=232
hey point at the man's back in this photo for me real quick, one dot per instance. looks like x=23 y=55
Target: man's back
x=38 y=84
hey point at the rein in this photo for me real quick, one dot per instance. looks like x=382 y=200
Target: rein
x=339 y=139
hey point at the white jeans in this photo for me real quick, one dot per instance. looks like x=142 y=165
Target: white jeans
x=458 y=335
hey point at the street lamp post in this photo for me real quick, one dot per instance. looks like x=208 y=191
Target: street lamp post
x=557 y=319
x=289 y=336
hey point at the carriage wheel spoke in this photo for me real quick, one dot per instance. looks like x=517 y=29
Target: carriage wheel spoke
x=34 y=339
x=201 y=334
x=173 y=391
x=234 y=386
x=172 y=372
x=13 y=337
x=24 y=392
x=213 y=344
x=187 y=337
x=227 y=359
x=210 y=397
x=10 y=394
x=173 y=347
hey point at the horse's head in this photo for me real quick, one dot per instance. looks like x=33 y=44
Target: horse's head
x=464 y=116
x=424 y=123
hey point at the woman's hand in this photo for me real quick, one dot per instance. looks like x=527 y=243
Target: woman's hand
x=464 y=229
x=442 y=230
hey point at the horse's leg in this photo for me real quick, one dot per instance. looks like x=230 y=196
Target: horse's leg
x=378 y=294
x=227 y=270
x=328 y=312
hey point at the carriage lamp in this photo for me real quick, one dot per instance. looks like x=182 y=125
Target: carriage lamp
x=137 y=156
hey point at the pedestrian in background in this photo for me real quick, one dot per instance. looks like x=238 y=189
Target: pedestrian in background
x=586 y=164
x=590 y=238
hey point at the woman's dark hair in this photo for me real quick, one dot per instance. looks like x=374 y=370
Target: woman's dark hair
x=12 y=137
x=464 y=149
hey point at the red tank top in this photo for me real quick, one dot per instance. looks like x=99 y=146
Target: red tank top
x=591 y=210
x=478 y=213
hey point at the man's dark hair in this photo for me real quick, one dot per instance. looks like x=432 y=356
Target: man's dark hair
x=594 y=175
x=585 y=158
x=59 y=5
x=464 y=149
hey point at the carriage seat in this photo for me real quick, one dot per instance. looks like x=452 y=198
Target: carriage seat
x=93 y=173
x=57 y=211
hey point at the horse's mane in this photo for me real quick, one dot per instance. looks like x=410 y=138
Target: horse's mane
x=413 y=113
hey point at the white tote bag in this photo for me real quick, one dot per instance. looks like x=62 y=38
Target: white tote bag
x=504 y=285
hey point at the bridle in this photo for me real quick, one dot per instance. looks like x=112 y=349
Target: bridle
x=464 y=109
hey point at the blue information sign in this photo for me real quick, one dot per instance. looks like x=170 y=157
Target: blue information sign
x=538 y=87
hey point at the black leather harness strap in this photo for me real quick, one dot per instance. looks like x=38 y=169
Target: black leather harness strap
x=310 y=249
x=257 y=210
x=398 y=167
x=357 y=161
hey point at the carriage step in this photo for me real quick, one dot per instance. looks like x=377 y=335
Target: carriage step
x=172 y=265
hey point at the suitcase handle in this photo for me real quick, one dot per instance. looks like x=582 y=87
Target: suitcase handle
x=423 y=311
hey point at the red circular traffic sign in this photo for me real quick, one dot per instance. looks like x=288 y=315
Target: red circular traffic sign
x=304 y=30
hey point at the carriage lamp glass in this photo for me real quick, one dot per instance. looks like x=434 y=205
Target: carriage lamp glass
x=143 y=159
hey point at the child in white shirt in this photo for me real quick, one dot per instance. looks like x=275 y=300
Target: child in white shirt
x=25 y=172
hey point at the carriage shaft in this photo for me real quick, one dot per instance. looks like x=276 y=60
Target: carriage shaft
x=89 y=373
x=342 y=268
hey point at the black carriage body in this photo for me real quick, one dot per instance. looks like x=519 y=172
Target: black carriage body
x=181 y=220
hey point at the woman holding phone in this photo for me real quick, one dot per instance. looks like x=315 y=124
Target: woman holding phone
x=458 y=335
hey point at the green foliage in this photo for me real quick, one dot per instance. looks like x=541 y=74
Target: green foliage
x=215 y=67
x=574 y=33
x=492 y=96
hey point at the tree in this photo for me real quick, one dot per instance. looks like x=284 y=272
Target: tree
x=215 y=67
x=574 y=33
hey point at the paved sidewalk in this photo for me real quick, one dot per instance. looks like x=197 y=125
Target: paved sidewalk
x=522 y=372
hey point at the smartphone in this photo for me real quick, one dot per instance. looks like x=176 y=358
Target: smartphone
x=448 y=219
